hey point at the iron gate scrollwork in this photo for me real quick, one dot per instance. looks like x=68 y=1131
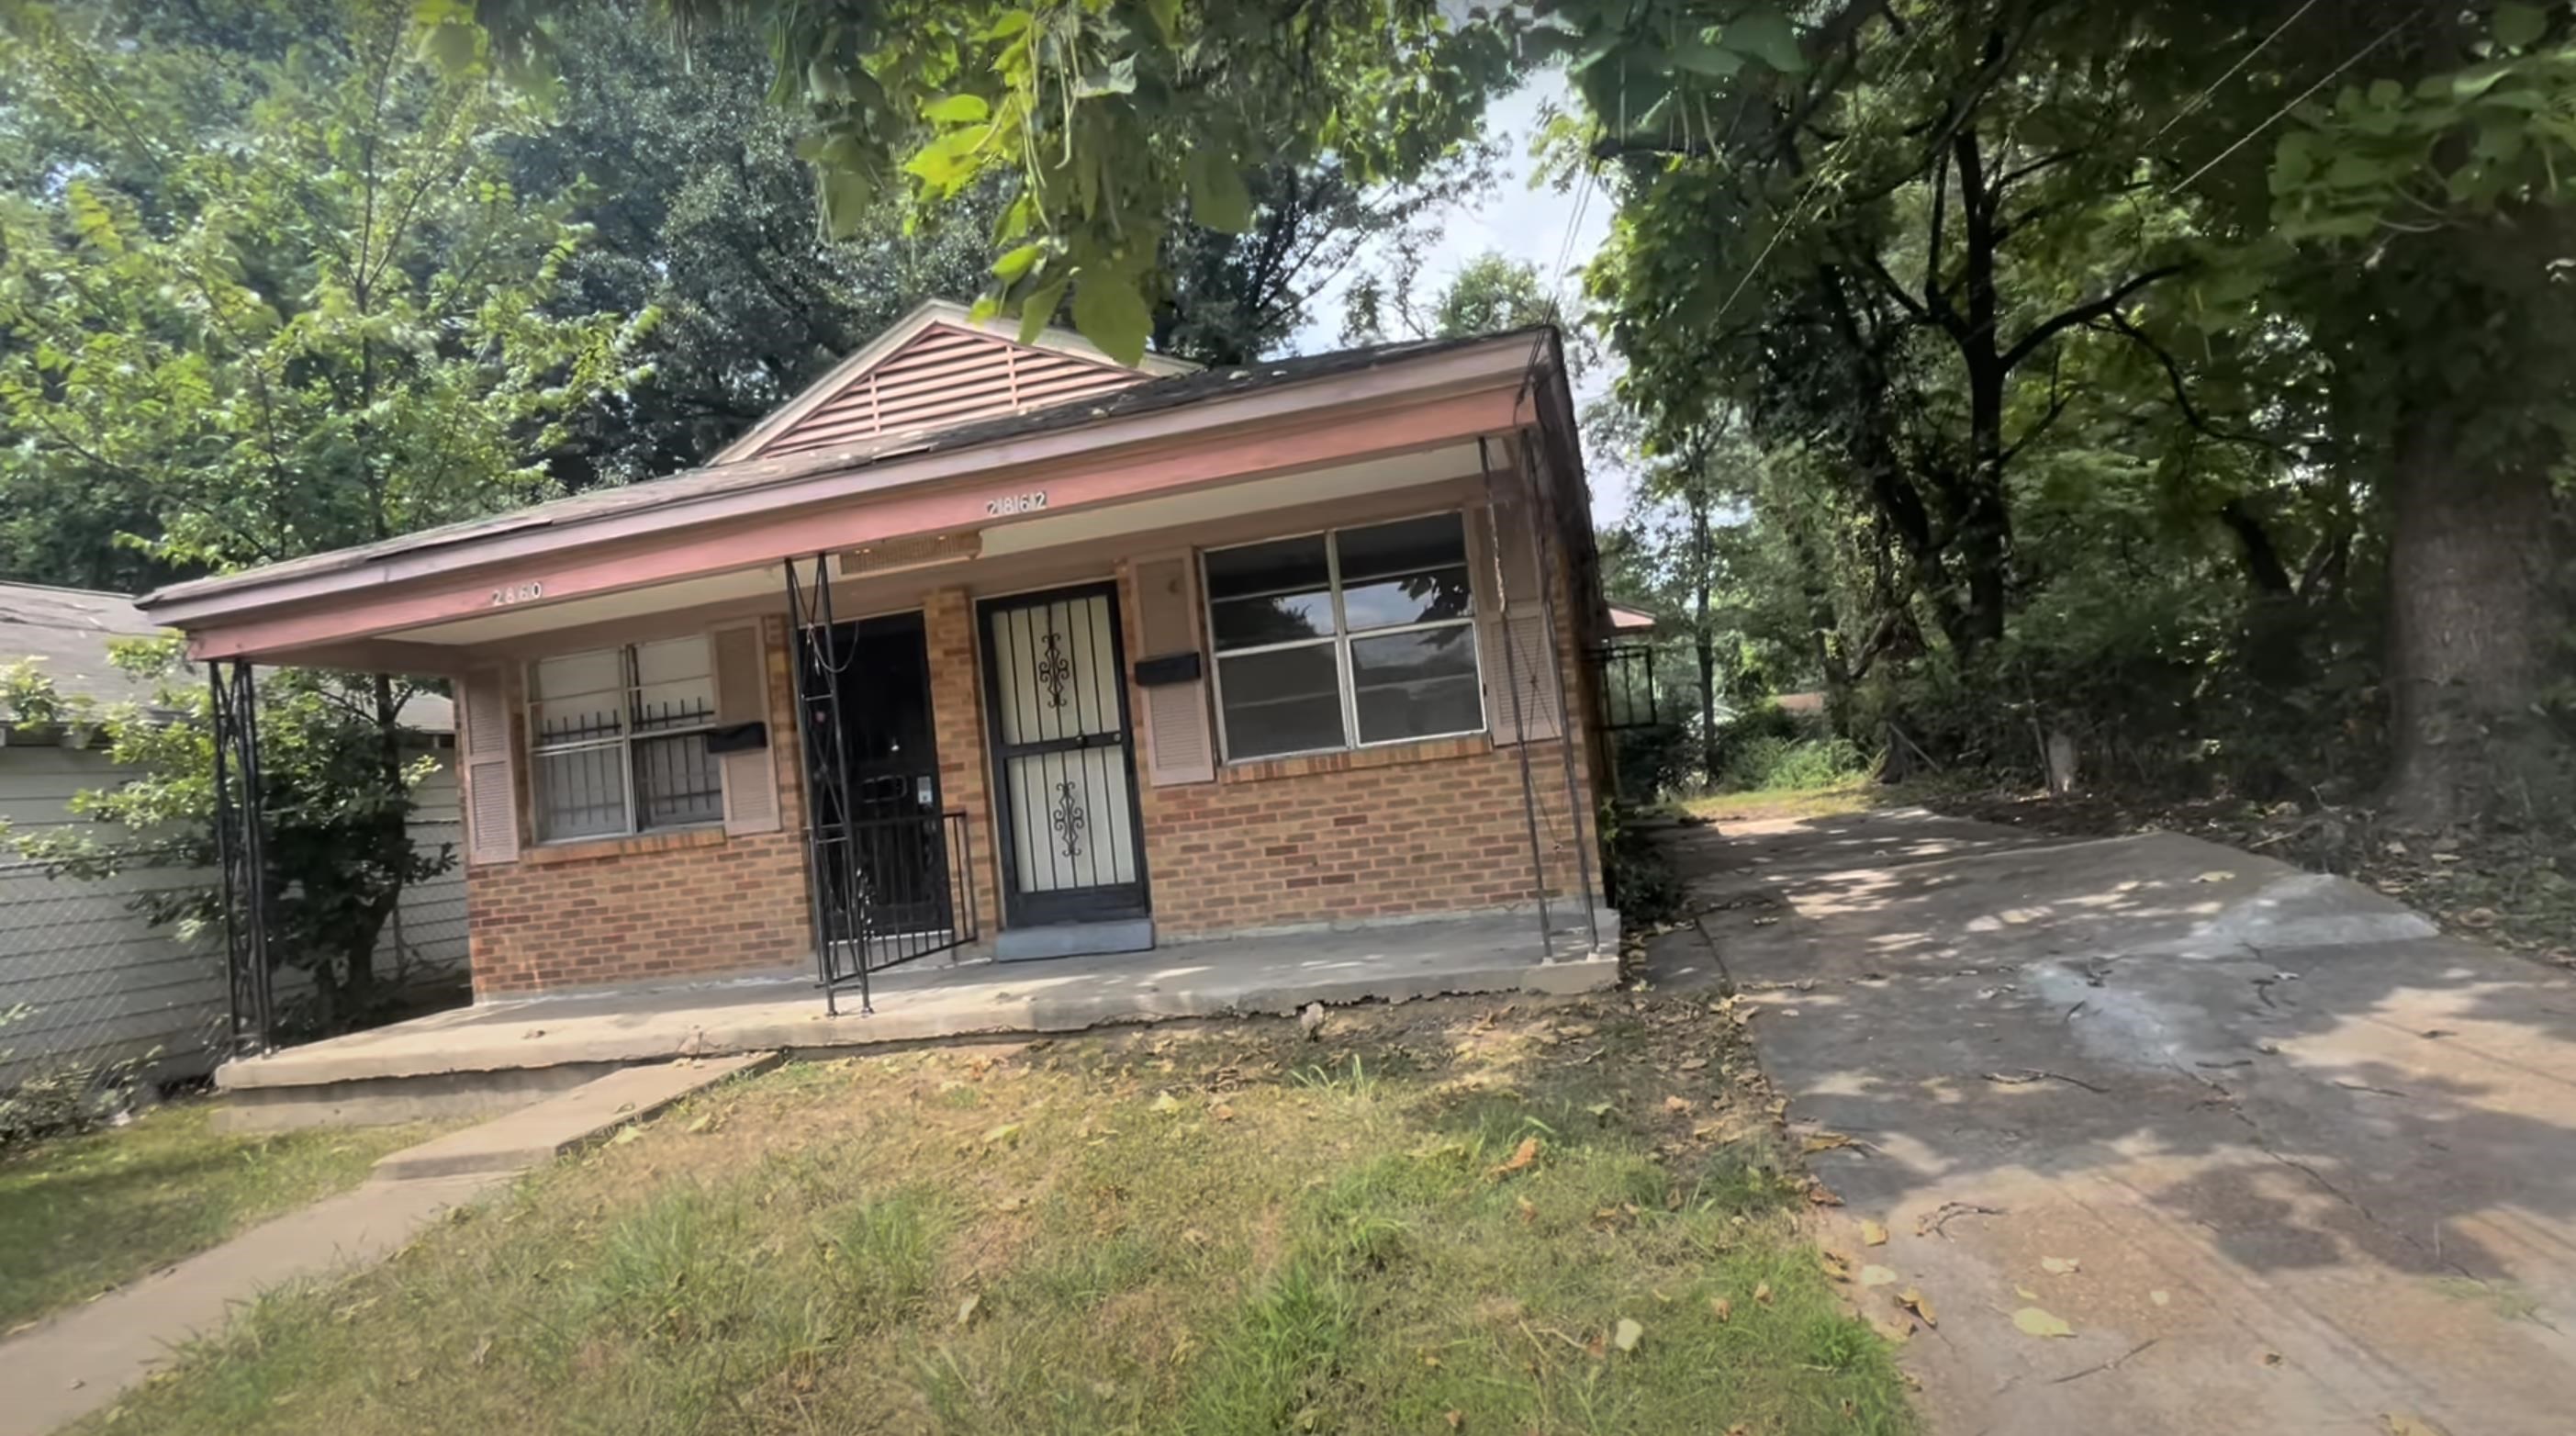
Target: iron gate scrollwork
x=884 y=890
x=241 y=855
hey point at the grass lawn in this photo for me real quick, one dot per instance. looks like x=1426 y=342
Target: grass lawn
x=83 y=1214
x=1562 y=1216
x=1848 y=795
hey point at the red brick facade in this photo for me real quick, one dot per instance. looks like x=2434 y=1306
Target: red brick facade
x=659 y=908
x=1344 y=837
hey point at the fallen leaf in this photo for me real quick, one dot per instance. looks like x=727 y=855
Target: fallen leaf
x=2271 y=1358
x=701 y=1122
x=1872 y=1234
x=1007 y=1133
x=1600 y=1111
x=966 y=1309
x=2217 y=876
x=1721 y=1308
x=2035 y=1322
x=481 y=1350
x=1822 y=1195
x=1916 y=1302
x=1894 y=1328
x=1167 y=1103
x=2161 y=1298
x=1455 y=1417
x=1521 y=1158
x=1629 y=1333
x=2025 y=1293
x=1826 y=1142
x=1222 y=1112
x=1834 y=1265
x=1529 y=1210
x=2060 y=1266
x=1877 y=1276
x=1677 y=1104
x=2401 y=1424
x=625 y=1135
x=1762 y=1292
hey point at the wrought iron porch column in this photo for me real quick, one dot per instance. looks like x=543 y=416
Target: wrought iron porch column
x=1512 y=681
x=820 y=735
x=241 y=854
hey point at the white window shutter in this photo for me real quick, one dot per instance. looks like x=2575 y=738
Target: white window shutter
x=1179 y=745
x=1509 y=612
x=742 y=696
x=489 y=768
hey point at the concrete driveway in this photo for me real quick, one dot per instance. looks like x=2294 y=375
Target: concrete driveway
x=2282 y=1157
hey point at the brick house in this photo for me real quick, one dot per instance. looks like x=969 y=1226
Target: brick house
x=1002 y=647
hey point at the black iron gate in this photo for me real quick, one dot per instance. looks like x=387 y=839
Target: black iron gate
x=241 y=854
x=881 y=864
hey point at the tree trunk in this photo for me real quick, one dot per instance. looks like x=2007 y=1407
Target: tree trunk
x=2470 y=629
x=1703 y=638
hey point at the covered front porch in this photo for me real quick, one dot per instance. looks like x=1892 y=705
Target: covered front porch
x=500 y=1054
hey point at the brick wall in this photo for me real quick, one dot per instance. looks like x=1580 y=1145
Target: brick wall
x=1437 y=826
x=957 y=729
x=662 y=906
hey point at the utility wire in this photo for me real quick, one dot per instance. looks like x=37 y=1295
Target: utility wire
x=2299 y=99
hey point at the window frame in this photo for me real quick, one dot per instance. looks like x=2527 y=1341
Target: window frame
x=1341 y=638
x=630 y=684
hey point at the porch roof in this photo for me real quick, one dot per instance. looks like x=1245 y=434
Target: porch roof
x=1183 y=430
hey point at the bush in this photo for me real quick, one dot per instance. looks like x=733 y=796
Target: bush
x=1774 y=764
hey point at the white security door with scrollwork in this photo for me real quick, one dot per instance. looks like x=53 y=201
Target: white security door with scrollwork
x=1054 y=681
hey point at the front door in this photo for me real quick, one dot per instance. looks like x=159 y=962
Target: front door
x=893 y=767
x=1054 y=676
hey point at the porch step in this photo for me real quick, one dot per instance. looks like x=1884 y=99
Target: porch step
x=559 y=1124
x=1073 y=939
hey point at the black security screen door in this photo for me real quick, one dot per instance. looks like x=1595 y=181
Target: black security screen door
x=893 y=773
x=1055 y=673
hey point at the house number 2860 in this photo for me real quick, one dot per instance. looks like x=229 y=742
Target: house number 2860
x=1027 y=503
x=510 y=593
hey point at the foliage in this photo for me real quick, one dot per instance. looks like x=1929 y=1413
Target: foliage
x=336 y=826
x=277 y=294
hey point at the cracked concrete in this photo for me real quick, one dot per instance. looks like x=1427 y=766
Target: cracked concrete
x=2315 y=1162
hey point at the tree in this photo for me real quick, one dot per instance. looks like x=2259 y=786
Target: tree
x=322 y=321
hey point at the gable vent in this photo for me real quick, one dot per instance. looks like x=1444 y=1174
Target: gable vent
x=944 y=376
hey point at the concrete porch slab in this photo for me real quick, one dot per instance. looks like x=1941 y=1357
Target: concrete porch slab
x=1496 y=952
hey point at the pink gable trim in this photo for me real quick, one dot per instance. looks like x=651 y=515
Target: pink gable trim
x=944 y=375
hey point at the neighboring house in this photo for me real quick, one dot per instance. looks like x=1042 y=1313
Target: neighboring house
x=100 y=983
x=982 y=634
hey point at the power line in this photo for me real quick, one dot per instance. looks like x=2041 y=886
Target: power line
x=2297 y=100
x=2241 y=62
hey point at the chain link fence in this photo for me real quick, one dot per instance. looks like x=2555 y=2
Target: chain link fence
x=92 y=993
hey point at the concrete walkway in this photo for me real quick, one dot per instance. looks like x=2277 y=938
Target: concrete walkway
x=79 y=1360
x=2280 y=1155
x=929 y=999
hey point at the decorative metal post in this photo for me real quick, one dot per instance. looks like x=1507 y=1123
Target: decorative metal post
x=1544 y=521
x=833 y=871
x=1512 y=682
x=241 y=852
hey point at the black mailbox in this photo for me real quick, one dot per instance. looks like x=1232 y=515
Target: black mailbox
x=1166 y=670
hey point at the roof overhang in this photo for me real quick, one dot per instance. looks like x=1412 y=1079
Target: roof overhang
x=836 y=500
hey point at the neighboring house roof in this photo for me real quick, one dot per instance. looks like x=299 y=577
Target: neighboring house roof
x=1631 y=621
x=66 y=631
x=724 y=479
x=939 y=365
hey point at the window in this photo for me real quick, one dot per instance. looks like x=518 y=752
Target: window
x=616 y=740
x=1344 y=639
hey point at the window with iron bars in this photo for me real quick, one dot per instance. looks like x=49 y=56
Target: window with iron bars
x=617 y=740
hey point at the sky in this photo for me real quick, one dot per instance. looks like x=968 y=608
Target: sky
x=1519 y=222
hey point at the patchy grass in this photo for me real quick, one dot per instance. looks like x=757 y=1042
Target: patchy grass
x=1843 y=795
x=1436 y=1218
x=81 y=1215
